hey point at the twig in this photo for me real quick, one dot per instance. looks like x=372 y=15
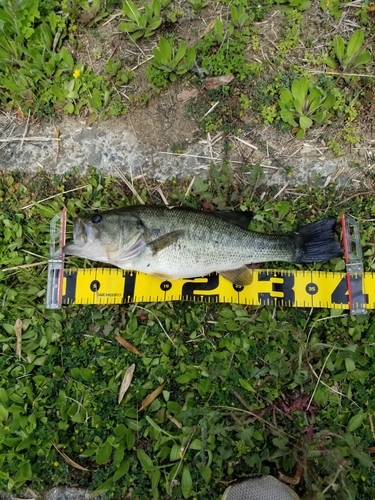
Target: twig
x=164 y=199
x=157 y=319
x=245 y=142
x=30 y=139
x=26 y=128
x=319 y=377
x=371 y=426
x=353 y=196
x=24 y=266
x=130 y=186
x=211 y=109
x=197 y=156
x=318 y=72
x=111 y=19
x=190 y=186
x=54 y=196
x=143 y=62
x=281 y=190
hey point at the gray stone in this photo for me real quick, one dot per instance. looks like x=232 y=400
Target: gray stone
x=84 y=136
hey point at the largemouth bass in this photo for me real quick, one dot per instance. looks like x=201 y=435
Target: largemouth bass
x=183 y=243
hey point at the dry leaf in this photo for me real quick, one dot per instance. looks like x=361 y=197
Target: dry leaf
x=18 y=332
x=208 y=27
x=69 y=460
x=187 y=94
x=216 y=81
x=126 y=381
x=127 y=344
x=150 y=398
x=175 y=421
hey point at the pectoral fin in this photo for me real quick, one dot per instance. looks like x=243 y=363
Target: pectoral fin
x=165 y=241
x=242 y=276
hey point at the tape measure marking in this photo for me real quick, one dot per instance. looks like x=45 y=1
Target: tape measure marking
x=269 y=287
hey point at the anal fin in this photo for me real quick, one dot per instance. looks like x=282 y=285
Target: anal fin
x=241 y=276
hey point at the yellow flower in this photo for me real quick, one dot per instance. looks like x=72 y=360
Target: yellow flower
x=76 y=73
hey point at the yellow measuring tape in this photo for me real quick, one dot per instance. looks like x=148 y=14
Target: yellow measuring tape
x=354 y=289
x=269 y=287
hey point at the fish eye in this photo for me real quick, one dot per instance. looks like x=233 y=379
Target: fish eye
x=96 y=218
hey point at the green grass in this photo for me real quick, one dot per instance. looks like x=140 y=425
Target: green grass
x=232 y=374
x=45 y=69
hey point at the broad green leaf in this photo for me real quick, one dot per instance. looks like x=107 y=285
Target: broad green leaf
x=128 y=27
x=283 y=208
x=24 y=473
x=288 y=117
x=355 y=422
x=3 y=395
x=120 y=430
x=314 y=104
x=234 y=14
x=69 y=108
x=103 y=453
x=155 y=483
x=185 y=378
x=299 y=89
x=319 y=118
x=330 y=62
x=362 y=59
x=300 y=133
x=349 y=365
x=156 y=7
x=206 y=473
x=89 y=452
x=180 y=52
x=298 y=105
x=145 y=460
x=130 y=10
x=67 y=58
x=175 y=452
x=4 y=414
x=218 y=27
x=305 y=122
x=329 y=101
x=196 y=444
x=25 y=443
x=186 y=482
x=286 y=96
x=339 y=48
x=159 y=56
x=246 y=385
x=355 y=43
x=154 y=25
x=122 y=469
x=165 y=48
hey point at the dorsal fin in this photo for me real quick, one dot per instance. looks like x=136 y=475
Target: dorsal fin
x=240 y=219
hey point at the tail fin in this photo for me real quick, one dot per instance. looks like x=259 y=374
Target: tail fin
x=316 y=242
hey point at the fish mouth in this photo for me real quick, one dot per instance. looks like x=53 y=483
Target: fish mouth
x=83 y=233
